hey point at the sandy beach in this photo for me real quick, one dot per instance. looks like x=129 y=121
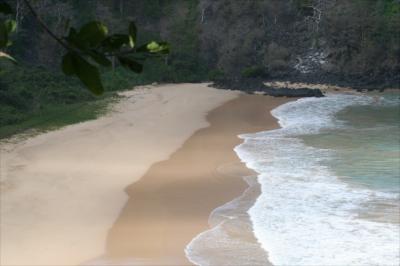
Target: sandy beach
x=136 y=185
x=171 y=203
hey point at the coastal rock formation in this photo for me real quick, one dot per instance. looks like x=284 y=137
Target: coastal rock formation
x=252 y=85
x=287 y=92
x=323 y=41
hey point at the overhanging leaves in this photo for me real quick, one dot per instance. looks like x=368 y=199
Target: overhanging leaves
x=92 y=33
x=133 y=31
x=89 y=48
x=3 y=36
x=8 y=57
x=155 y=48
x=115 y=42
x=5 y=8
x=99 y=58
x=6 y=27
x=67 y=64
x=88 y=74
x=131 y=64
x=74 y=64
x=10 y=25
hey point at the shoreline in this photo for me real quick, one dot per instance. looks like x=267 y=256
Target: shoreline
x=287 y=174
x=54 y=182
x=175 y=197
x=62 y=190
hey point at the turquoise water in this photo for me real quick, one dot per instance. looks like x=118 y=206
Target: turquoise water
x=366 y=148
x=330 y=187
x=329 y=181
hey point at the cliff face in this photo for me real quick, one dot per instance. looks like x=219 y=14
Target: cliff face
x=332 y=40
x=243 y=34
x=317 y=39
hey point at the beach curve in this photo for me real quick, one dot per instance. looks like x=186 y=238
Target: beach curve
x=62 y=190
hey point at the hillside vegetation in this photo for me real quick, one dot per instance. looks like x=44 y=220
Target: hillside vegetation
x=357 y=42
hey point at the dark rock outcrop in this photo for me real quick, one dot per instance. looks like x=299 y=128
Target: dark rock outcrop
x=256 y=85
x=286 y=92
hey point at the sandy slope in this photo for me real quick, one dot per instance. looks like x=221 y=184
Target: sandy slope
x=62 y=191
x=171 y=203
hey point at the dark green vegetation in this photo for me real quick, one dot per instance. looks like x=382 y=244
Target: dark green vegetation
x=357 y=40
x=34 y=97
x=7 y=27
x=87 y=48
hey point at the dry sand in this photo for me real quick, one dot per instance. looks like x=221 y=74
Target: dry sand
x=93 y=193
x=62 y=191
x=171 y=203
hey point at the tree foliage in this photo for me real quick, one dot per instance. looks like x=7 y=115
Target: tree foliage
x=7 y=26
x=88 y=48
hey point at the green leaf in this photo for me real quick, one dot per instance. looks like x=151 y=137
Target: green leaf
x=92 y=33
x=133 y=31
x=152 y=46
x=88 y=74
x=10 y=25
x=163 y=48
x=74 y=64
x=68 y=64
x=73 y=40
x=115 y=42
x=5 y=8
x=6 y=28
x=8 y=57
x=100 y=58
x=131 y=64
x=131 y=42
x=155 y=48
x=3 y=35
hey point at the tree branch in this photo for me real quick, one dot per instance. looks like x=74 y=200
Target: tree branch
x=44 y=26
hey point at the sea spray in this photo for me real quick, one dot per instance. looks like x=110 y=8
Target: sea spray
x=307 y=215
x=230 y=241
x=300 y=210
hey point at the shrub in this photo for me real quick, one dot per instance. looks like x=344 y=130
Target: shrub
x=253 y=72
x=216 y=74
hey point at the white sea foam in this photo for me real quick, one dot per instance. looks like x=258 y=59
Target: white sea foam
x=230 y=240
x=305 y=214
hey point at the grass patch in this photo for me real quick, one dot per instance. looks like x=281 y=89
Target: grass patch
x=57 y=116
x=38 y=99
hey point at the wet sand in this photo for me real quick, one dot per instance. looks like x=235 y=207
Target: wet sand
x=61 y=191
x=171 y=203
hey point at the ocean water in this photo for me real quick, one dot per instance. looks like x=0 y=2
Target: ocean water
x=328 y=188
